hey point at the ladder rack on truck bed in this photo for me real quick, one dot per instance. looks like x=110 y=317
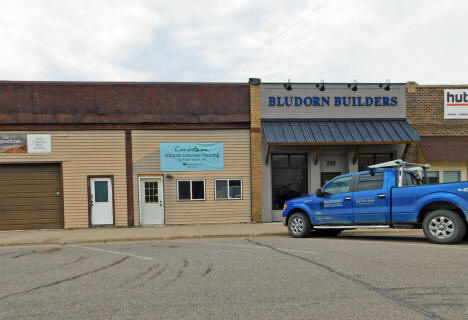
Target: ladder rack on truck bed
x=403 y=166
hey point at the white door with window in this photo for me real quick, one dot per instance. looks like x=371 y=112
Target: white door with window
x=151 y=201
x=102 y=210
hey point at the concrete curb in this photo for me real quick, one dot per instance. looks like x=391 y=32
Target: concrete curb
x=59 y=241
x=139 y=239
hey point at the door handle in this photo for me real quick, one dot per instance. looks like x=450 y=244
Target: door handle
x=347 y=198
x=381 y=196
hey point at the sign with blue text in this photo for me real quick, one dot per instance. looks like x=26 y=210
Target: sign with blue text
x=192 y=156
x=333 y=101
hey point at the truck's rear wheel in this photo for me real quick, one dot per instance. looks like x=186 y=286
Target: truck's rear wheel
x=444 y=226
x=298 y=225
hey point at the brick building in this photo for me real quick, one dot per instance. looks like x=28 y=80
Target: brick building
x=305 y=134
x=444 y=140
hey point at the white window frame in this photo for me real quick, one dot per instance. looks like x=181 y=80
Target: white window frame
x=228 y=179
x=191 y=180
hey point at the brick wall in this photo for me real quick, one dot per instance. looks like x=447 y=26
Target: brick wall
x=256 y=153
x=425 y=113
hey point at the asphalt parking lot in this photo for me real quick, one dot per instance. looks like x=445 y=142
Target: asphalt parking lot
x=351 y=277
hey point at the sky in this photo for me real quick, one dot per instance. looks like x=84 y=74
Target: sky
x=231 y=41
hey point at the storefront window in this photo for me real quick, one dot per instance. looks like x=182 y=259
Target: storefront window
x=190 y=190
x=368 y=159
x=433 y=177
x=289 y=178
x=451 y=176
x=227 y=189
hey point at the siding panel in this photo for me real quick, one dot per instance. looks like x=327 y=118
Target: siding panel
x=146 y=160
x=84 y=153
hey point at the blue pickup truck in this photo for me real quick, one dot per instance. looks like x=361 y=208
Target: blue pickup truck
x=389 y=195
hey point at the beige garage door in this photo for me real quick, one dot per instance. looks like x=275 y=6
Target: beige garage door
x=30 y=196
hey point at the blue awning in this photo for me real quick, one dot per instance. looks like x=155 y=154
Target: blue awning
x=351 y=132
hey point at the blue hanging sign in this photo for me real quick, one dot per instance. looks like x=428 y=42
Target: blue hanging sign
x=192 y=156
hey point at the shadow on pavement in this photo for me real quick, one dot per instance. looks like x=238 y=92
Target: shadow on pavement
x=387 y=238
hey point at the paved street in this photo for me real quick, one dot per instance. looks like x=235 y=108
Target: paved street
x=348 y=277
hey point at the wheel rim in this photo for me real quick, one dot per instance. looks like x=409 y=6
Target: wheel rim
x=297 y=225
x=441 y=227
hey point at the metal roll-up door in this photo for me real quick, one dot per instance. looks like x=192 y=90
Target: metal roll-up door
x=30 y=196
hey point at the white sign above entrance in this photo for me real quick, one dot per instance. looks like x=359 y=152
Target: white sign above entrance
x=456 y=104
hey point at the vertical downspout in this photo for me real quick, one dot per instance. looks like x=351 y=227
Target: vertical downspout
x=129 y=175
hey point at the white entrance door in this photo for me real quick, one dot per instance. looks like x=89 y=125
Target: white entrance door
x=102 y=212
x=151 y=201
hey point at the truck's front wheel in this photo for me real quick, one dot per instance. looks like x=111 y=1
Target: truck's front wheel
x=444 y=226
x=298 y=225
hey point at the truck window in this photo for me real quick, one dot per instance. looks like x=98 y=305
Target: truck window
x=411 y=179
x=339 y=185
x=370 y=181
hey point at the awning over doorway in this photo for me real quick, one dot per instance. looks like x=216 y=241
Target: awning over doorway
x=444 y=148
x=338 y=132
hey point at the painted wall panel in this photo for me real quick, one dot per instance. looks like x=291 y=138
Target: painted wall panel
x=146 y=160
x=84 y=153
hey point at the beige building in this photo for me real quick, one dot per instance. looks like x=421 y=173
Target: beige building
x=207 y=208
x=76 y=155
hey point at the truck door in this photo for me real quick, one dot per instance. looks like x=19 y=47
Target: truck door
x=371 y=201
x=336 y=206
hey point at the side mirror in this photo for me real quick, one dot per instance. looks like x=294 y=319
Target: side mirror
x=319 y=193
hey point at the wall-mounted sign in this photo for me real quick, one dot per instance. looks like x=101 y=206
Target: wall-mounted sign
x=322 y=101
x=192 y=156
x=13 y=143
x=456 y=104
x=39 y=143
x=335 y=101
x=25 y=143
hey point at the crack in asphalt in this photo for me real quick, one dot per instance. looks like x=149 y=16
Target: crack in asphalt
x=151 y=268
x=154 y=267
x=7 y=253
x=65 y=280
x=157 y=274
x=75 y=261
x=181 y=271
x=208 y=270
x=24 y=254
x=179 y=274
x=427 y=313
x=425 y=288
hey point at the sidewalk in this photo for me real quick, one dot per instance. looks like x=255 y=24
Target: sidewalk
x=103 y=235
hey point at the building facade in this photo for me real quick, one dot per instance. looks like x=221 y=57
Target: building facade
x=312 y=132
x=439 y=113
x=76 y=155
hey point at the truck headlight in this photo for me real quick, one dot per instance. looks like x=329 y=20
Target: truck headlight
x=285 y=206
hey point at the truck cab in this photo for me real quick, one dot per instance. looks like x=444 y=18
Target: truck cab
x=389 y=195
